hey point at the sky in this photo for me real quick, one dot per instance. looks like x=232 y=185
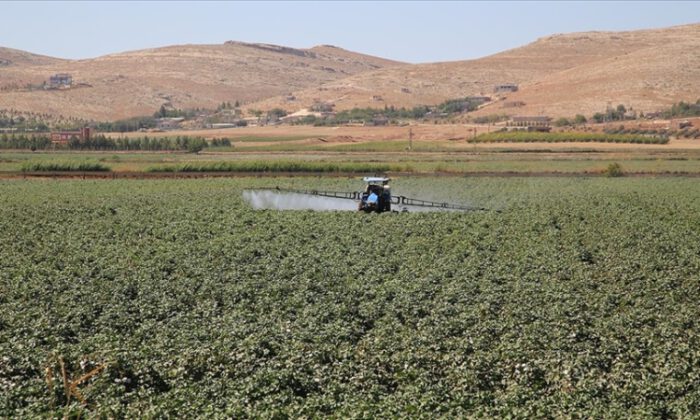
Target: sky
x=413 y=31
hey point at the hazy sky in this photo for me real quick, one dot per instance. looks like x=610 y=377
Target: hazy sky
x=406 y=31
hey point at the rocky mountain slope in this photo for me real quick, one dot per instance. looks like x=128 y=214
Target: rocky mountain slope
x=558 y=75
x=187 y=76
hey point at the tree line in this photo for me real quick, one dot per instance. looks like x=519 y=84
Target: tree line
x=100 y=142
x=683 y=109
x=391 y=114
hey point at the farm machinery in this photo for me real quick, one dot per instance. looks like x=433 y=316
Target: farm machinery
x=377 y=197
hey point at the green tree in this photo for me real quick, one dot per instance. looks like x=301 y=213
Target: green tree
x=562 y=122
x=276 y=113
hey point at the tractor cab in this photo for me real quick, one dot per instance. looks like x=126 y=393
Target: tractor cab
x=376 y=196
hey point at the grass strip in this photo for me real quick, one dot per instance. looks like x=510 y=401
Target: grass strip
x=276 y=166
x=533 y=137
x=64 y=167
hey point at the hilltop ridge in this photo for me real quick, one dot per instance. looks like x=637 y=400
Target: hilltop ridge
x=557 y=75
x=546 y=72
x=182 y=76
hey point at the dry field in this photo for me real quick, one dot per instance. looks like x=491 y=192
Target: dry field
x=451 y=136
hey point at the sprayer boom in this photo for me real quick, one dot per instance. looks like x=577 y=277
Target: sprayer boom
x=406 y=201
x=333 y=194
x=395 y=200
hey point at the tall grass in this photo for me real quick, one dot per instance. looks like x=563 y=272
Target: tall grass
x=64 y=167
x=271 y=139
x=532 y=137
x=276 y=166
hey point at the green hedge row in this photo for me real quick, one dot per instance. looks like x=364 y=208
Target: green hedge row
x=64 y=167
x=272 y=166
x=533 y=137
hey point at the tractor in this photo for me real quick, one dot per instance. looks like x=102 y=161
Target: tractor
x=377 y=198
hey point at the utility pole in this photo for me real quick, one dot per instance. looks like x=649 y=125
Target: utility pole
x=410 y=139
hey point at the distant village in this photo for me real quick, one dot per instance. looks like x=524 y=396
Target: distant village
x=228 y=115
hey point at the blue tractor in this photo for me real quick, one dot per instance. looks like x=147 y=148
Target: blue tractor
x=376 y=196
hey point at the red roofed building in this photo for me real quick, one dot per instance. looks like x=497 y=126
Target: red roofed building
x=63 y=137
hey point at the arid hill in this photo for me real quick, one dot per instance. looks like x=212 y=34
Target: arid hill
x=646 y=80
x=188 y=76
x=559 y=75
x=11 y=57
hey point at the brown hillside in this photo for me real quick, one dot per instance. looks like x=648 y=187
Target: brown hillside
x=646 y=80
x=188 y=76
x=558 y=75
x=11 y=57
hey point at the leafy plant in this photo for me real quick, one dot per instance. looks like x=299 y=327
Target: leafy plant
x=614 y=170
x=577 y=299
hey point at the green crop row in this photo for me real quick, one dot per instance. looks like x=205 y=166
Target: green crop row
x=531 y=137
x=64 y=167
x=274 y=166
x=174 y=298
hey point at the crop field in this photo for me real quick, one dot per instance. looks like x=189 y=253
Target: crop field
x=565 y=137
x=157 y=298
x=277 y=166
x=417 y=161
x=64 y=166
